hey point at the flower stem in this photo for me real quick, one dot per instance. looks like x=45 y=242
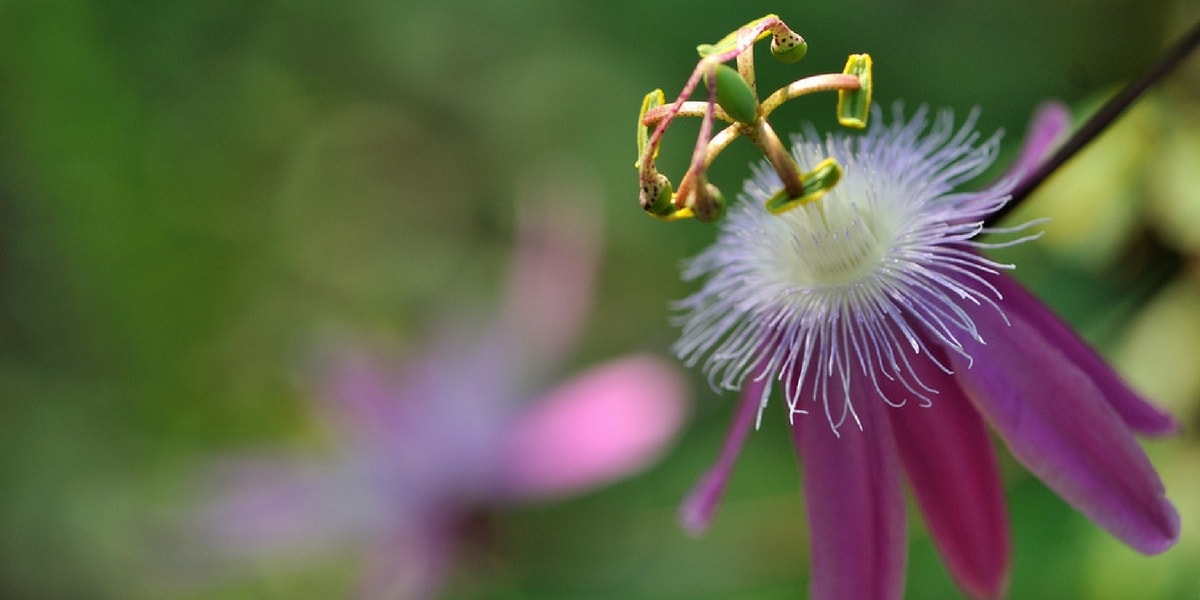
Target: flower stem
x=1100 y=121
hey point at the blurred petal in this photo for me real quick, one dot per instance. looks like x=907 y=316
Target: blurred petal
x=409 y=564
x=269 y=507
x=554 y=266
x=1137 y=413
x=1050 y=121
x=1058 y=423
x=700 y=506
x=359 y=395
x=599 y=426
x=948 y=456
x=855 y=499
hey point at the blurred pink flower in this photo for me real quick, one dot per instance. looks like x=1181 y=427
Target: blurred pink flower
x=876 y=296
x=450 y=433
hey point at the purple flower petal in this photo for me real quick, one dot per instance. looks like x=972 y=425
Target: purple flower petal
x=948 y=456
x=606 y=423
x=271 y=506
x=1139 y=414
x=360 y=396
x=1059 y=424
x=700 y=506
x=1050 y=121
x=855 y=499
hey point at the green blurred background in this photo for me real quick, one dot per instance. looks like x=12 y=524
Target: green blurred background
x=191 y=193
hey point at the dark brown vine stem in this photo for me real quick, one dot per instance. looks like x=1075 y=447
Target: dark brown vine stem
x=1101 y=120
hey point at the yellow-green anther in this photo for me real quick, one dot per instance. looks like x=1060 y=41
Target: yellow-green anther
x=854 y=105
x=734 y=95
x=788 y=47
x=816 y=183
x=652 y=100
x=821 y=179
x=675 y=215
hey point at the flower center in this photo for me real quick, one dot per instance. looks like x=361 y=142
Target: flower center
x=860 y=285
x=835 y=241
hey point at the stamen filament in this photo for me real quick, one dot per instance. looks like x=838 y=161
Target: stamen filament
x=827 y=82
x=691 y=108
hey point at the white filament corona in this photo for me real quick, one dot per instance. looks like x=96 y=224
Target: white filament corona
x=854 y=284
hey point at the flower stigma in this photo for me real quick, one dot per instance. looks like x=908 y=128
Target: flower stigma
x=733 y=98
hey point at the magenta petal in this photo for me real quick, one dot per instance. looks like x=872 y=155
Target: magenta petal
x=700 y=506
x=855 y=498
x=1050 y=121
x=597 y=427
x=948 y=456
x=361 y=396
x=1139 y=414
x=1058 y=423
